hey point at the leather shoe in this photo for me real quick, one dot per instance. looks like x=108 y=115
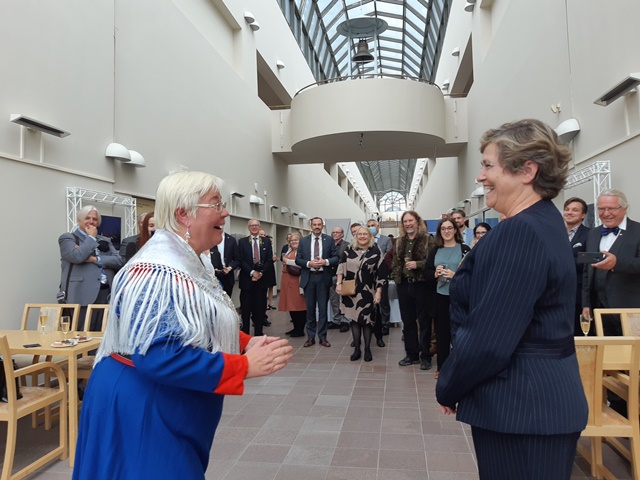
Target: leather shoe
x=385 y=330
x=289 y=332
x=356 y=355
x=344 y=327
x=266 y=323
x=380 y=343
x=406 y=361
x=425 y=364
x=309 y=343
x=297 y=334
x=333 y=326
x=324 y=342
x=367 y=355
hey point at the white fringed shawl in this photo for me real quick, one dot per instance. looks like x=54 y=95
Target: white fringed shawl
x=166 y=290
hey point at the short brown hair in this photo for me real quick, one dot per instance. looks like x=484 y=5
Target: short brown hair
x=585 y=208
x=530 y=139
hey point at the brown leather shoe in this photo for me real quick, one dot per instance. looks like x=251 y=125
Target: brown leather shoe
x=310 y=342
x=324 y=342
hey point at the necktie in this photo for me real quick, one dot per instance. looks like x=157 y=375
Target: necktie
x=316 y=248
x=216 y=259
x=607 y=231
x=256 y=252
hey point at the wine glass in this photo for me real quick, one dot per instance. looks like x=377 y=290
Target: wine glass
x=42 y=319
x=585 y=324
x=65 y=324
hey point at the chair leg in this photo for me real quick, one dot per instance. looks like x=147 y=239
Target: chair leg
x=635 y=455
x=9 y=454
x=64 y=428
x=596 y=455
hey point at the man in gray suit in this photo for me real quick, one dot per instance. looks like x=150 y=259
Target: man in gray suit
x=89 y=262
x=337 y=319
x=132 y=238
x=384 y=244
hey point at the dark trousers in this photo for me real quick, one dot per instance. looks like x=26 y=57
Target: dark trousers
x=443 y=328
x=385 y=308
x=299 y=319
x=506 y=456
x=316 y=293
x=253 y=302
x=414 y=310
x=227 y=282
x=95 y=322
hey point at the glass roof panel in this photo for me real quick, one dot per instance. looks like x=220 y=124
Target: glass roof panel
x=411 y=45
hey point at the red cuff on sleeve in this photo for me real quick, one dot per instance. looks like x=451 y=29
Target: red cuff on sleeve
x=233 y=375
x=244 y=339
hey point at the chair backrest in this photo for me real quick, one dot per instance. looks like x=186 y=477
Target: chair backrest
x=590 y=352
x=54 y=310
x=9 y=377
x=95 y=307
x=629 y=319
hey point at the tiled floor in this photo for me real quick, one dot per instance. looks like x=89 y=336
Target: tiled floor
x=327 y=418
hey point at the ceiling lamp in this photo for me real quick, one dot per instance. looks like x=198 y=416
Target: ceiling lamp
x=363 y=55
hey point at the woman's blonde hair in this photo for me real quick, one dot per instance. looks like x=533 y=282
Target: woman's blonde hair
x=354 y=240
x=182 y=190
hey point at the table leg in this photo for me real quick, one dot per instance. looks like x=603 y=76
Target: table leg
x=73 y=407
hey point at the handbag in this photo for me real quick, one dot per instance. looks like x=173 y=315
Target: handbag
x=294 y=270
x=61 y=296
x=348 y=288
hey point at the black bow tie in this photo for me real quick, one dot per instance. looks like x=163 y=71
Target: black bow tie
x=606 y=231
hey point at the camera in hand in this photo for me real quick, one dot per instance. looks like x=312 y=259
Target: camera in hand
x=103 y=245
x=258 y=267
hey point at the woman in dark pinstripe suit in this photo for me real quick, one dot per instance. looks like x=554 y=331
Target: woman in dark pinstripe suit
x=512 y=373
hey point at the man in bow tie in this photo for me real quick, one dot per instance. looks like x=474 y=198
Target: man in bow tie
x=574 y=213
x=615 y=281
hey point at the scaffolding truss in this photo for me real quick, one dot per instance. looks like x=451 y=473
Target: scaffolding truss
x=599 y=173
x=76 y=195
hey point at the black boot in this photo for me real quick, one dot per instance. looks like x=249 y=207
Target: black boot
x=355 y=332
x=368 y=330
x=367 y=355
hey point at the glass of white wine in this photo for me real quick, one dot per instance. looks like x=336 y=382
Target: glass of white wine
x=585 y=324
x=65 y=324
x=42 y=320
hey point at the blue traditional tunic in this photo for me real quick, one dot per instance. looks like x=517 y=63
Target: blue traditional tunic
x=169 y=356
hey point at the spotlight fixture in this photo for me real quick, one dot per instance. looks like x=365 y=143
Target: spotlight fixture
x=37 y=125
x=284 y=210
x=445 y=84
x=567 y=130
x=255 y=26
x=456 y=52
x=137 y=160
x=626 y=86
x=274 y=206
x=254 y=199
x=249 y=18
x=280 y=64
x=116 y=151
x=469 y=6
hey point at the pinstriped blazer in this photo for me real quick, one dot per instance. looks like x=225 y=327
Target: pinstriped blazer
x=513 y=367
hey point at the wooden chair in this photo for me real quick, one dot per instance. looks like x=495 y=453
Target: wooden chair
x=629 y=318
x=33 y=399
x=604 y=421
x=85 y=364
x=50 y=308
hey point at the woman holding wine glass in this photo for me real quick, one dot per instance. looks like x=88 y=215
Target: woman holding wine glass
x=512 y=373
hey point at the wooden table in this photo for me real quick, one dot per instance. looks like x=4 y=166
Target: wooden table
x=18 y=338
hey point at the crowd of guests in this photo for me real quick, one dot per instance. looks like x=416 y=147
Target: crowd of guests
x=499 y=301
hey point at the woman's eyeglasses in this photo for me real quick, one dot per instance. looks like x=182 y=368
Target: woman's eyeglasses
x=447 y=229
x=218 y=207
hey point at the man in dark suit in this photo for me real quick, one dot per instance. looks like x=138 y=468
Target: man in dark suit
x=133 y=238
x=338 y=320
x=384 y=244
x=256 y=257
x=225 y=263
x=316 y=255
x=574 y=213
x=615 y=281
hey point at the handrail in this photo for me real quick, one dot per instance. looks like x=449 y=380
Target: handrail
x=367 y=75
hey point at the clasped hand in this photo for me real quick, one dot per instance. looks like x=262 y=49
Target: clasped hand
x=609 y=262
x=267 y=355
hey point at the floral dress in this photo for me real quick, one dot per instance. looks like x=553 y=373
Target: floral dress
x=370 y=272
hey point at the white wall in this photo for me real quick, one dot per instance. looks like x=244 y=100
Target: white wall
x=174 y=80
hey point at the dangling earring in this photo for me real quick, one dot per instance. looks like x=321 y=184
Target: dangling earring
x=187 y=235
